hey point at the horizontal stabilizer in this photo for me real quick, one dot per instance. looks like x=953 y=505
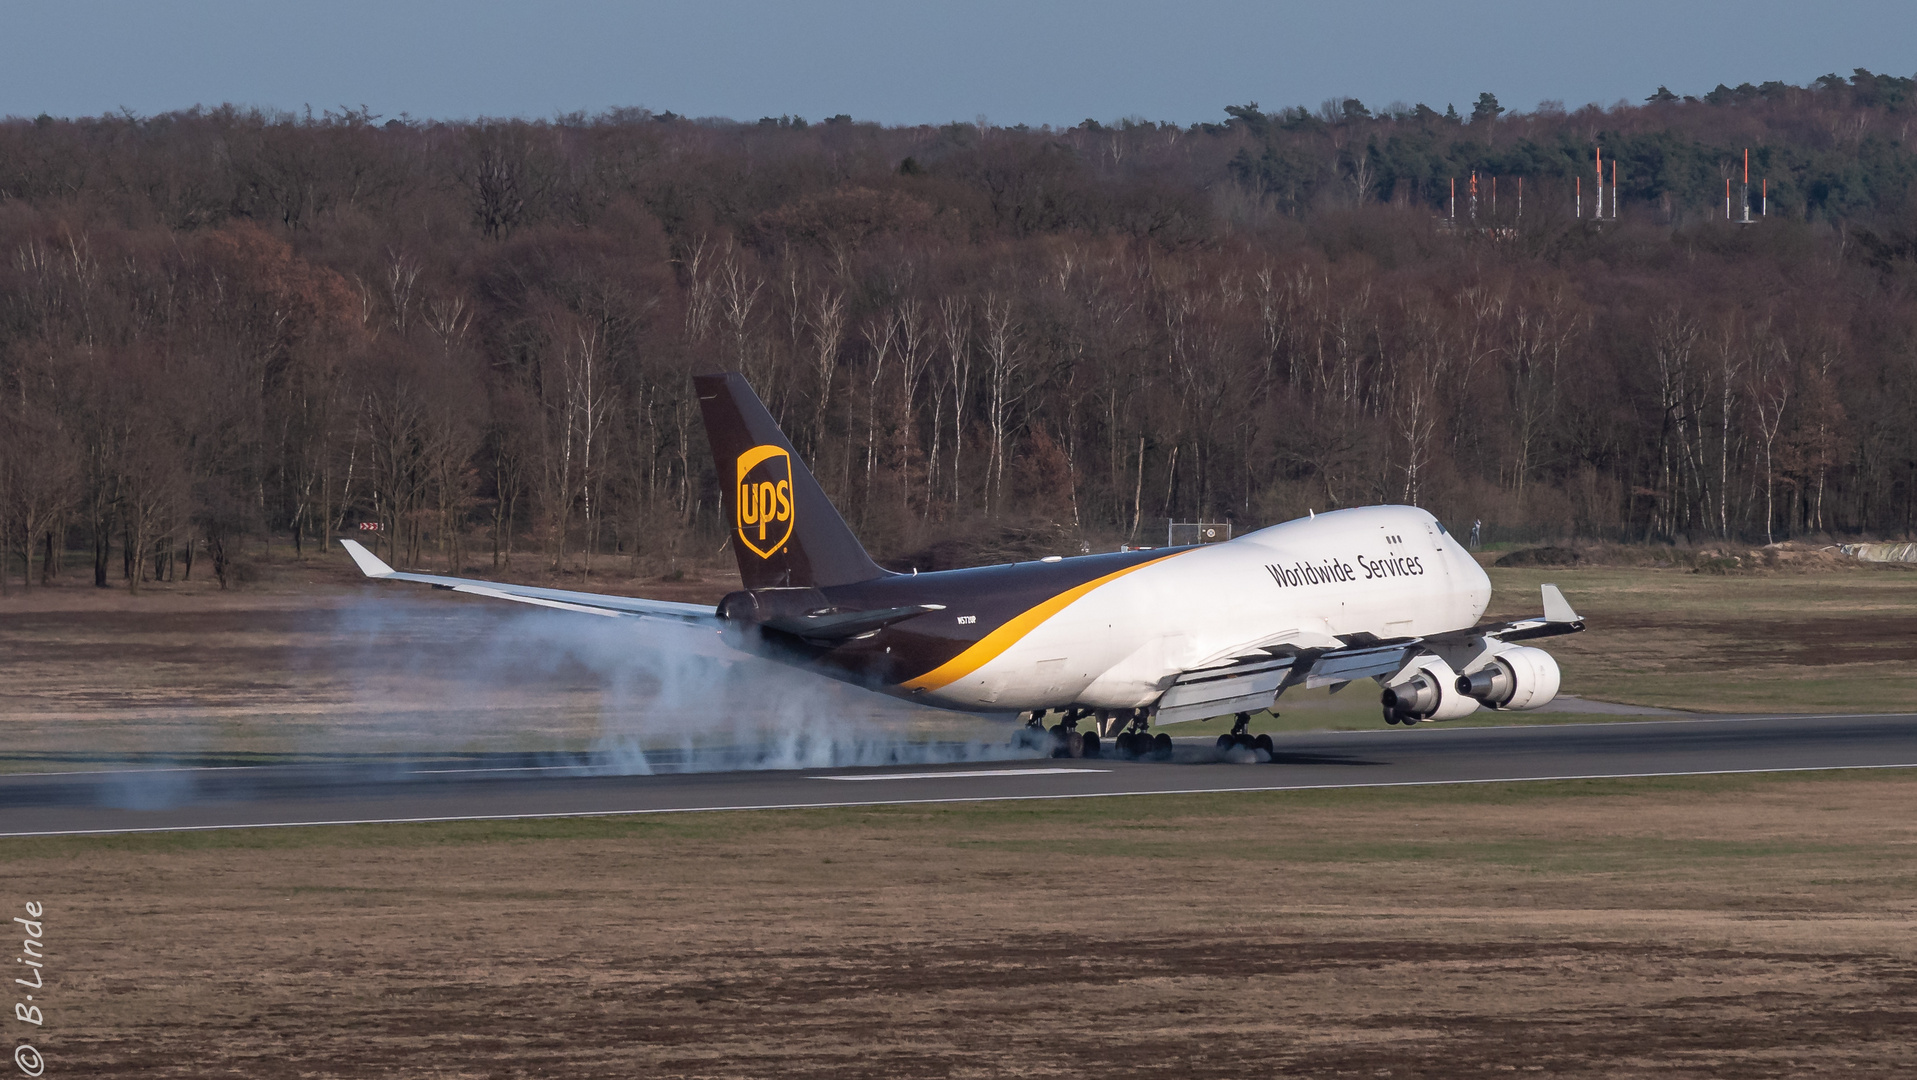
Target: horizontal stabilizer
x=840 y=625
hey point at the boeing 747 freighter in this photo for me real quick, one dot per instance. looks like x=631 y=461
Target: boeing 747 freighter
x=1125 y=640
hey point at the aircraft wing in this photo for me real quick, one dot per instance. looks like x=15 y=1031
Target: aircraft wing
x=1247 y=684
x=562 y=599
x=1558 y=618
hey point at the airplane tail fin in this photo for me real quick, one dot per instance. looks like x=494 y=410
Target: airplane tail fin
x=785 y=531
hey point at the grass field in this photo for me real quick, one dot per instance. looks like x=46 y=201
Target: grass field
x=1788 y=642
x=1743 y=926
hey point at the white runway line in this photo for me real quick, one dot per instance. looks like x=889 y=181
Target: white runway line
x=512 y=768
x=944 y=775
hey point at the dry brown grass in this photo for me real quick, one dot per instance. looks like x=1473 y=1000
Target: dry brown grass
x=1794 y=641
x=1747 y=927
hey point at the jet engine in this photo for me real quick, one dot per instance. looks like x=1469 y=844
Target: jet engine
x=1430 y=693
x=1518 y=678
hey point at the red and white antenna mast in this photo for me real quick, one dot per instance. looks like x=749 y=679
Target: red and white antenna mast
x=1747 y=185
x=1598 y=211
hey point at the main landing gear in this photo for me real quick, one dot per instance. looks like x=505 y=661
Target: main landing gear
x=1062 y=739
x=1241 y=738
x=1121 y=732
x=1134 y=741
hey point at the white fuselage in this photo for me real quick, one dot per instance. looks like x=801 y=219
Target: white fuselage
x=1387 y=571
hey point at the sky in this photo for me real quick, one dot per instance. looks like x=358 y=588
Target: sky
x=1033 y=62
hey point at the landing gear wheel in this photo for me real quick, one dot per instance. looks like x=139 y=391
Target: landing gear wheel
x=1090 y=746
x=1161 y=746
x=1226 y=742
x=1075 y=744
x=1242 y=741
x=1262 y=742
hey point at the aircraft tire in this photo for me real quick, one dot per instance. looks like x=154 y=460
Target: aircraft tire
x=1091 y=747
x=1161 y=746
x=1262 y=742
x=1225 y=741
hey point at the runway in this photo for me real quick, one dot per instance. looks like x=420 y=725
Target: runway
x=122 y=800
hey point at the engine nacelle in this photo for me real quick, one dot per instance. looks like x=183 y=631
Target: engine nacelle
x=1518 y=678
x=1430 y=693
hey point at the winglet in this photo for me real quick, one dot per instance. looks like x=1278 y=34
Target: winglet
x=368 y=562
x=1556 y=608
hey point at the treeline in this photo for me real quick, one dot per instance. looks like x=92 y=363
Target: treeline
x=218 y=324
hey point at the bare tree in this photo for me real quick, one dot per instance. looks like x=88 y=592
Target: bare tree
x=590 y=394
x=827 y=323
x=1536 y=341
x=39 y=483
x=955 y=333
x=881 y=333
x=1770 y=395
x=1004 y=357
x=914 y=356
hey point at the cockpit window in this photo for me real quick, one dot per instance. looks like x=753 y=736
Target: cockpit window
x=1443 y=530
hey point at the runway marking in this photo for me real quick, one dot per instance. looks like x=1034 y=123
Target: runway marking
x=508 y=768
x=943 y=775
x=848 y=805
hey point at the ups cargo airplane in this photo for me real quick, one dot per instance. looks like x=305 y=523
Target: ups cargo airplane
x=1125 y=639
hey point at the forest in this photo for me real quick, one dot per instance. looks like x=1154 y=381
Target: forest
x=473 y=341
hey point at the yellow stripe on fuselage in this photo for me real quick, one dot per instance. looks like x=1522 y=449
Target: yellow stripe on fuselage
x=1010 y=631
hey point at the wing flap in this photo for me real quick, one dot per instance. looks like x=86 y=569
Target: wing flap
x=1354 y=664
x=1208 y=692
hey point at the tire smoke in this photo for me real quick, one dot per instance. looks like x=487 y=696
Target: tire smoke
x=432 y=675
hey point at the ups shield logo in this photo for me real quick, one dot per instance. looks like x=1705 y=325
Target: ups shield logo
x=762 y=503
